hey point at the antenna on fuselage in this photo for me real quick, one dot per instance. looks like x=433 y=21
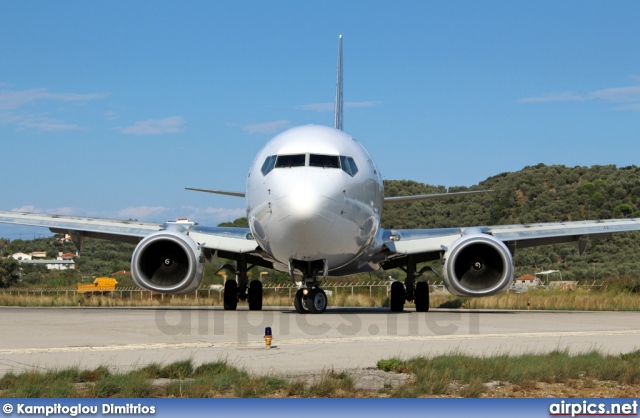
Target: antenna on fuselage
x=337 y=118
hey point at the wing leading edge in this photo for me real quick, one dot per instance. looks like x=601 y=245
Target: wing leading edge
x=236 y=240
x=415 y=241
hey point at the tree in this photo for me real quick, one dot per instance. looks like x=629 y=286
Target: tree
x=238 y=223
x=8 y=272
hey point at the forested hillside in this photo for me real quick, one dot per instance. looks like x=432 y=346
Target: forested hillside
x=534 y=194
x=538 y=194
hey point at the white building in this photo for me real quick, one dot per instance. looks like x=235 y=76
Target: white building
x=51 y=264
x=21 y=256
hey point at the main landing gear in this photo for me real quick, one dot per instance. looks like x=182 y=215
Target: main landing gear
x=242 y=289
x=410 y=290
x=419 y=296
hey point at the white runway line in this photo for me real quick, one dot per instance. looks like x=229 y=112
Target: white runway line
x=315 y=341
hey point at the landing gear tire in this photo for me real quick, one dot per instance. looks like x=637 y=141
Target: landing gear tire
x=230 y=295
x=300 y=303
x=396 y=303
x=316 y=301
x=255 y=295
x=422 y=297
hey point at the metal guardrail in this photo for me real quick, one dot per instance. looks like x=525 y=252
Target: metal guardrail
x=204 y=291
x=217 y=290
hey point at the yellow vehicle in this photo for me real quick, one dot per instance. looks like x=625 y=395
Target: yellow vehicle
x=101 y=285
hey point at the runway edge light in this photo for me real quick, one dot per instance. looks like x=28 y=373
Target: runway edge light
x=268 y=336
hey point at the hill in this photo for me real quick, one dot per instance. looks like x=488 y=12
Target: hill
x=534 y=194
x=538 y=194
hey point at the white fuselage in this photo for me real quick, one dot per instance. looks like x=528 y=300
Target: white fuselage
x=307 y=201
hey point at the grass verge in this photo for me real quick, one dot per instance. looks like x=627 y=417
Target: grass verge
x=539 y=300
x=531 y=375
x=466 y=375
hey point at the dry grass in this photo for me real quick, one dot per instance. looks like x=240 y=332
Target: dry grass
x=578 y=300
x=582 y=300
x=530 y=375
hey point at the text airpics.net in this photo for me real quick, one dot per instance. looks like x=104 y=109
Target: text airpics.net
x=586 y=408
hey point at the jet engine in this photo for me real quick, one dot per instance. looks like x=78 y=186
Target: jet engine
x=477 y=265
x=168 y=262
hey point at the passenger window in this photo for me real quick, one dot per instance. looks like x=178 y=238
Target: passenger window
x=288 y=161
x=348 y=165
x=268 y=164
x=324 y=161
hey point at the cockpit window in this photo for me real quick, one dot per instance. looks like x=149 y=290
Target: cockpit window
x=348 y=165
x=288 y=161
x=268 y=164
x=324 y=161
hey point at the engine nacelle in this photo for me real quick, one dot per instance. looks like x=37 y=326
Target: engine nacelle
x=168 y=262
x=477 y=265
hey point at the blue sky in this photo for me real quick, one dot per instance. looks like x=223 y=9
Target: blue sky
x=110 y=109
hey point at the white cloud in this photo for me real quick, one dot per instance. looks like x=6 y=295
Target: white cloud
x=18 y=98
x=206 y=215
x=46 y=124
x=618 y=94
x=267 y=127
x=57 y=211
x=362 y=104
x=141 y=212
x=317 y=107
x=613 y=95
x=65 y=211
x=554 y=97
x=168 y=125
x=27 y=208
x=110 y=115
x=13 y=103
x=211 y=215
x=329 y=107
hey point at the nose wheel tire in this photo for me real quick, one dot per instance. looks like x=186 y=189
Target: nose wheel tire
x=397 y=297
x=300 y=303
x=255 y=295
x=230 y=295
x=422 y=297
x=316 y=301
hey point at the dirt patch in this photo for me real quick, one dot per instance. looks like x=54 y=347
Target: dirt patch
x=368 y=380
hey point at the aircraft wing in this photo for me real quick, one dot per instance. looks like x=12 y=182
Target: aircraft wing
x=415 y=241
x=237 y=240
x=402 y=199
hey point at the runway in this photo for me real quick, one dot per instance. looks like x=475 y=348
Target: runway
x=349 y=338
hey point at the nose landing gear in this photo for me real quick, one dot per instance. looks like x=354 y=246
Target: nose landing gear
x=317 y=300
x=310 y=300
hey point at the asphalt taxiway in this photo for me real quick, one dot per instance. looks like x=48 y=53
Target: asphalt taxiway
x=348 y=338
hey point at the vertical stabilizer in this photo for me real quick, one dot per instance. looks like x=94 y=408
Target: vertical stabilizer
x=337 y=118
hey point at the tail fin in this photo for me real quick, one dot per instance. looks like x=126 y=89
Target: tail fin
x=337 y=118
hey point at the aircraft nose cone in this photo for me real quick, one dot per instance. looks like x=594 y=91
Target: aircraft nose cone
x=308 y=216
x=303 y=205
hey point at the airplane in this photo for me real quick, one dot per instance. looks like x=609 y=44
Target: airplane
x=314 y=197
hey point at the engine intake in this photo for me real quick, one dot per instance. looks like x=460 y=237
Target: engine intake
x=478 y=265
x=168 y=262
